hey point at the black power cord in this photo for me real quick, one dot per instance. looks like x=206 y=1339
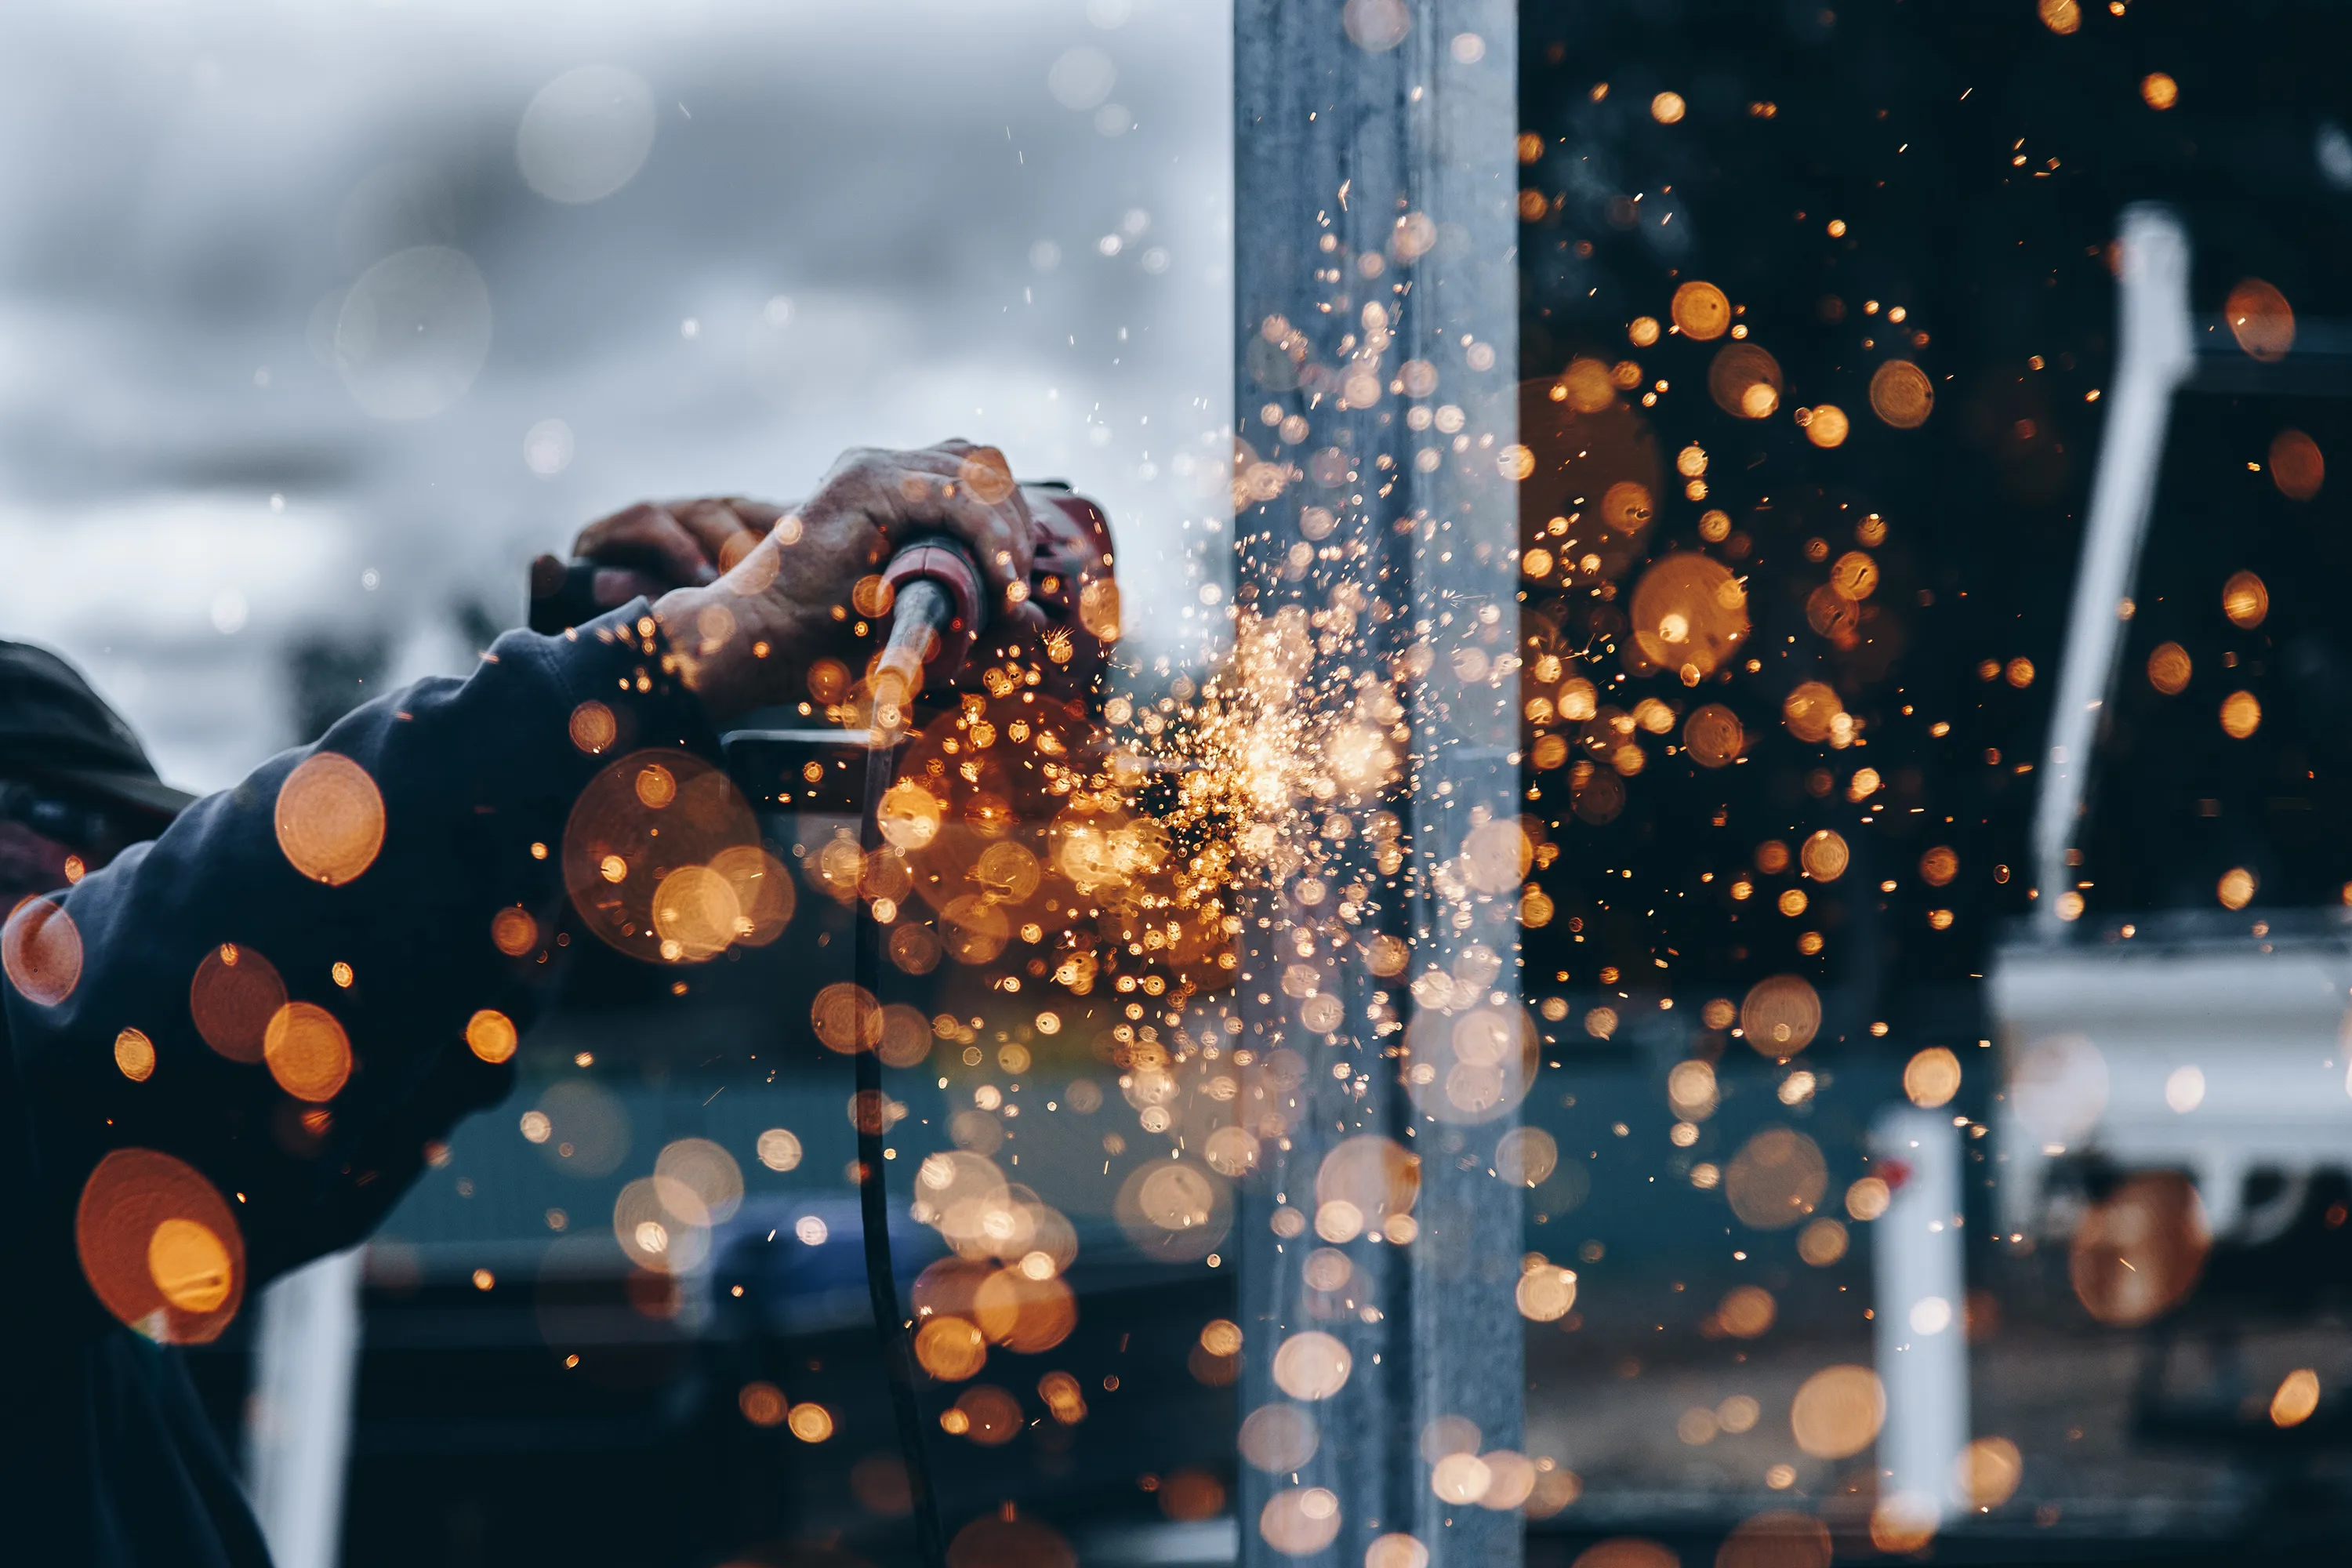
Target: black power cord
x=890 y=1326
x=926 y=610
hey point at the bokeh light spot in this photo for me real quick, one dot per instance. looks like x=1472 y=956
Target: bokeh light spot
x=234 y=995
x=1312 y=1365
x=1901 y=394
x=2246 y=600
x=1299 y=1521
x=190 y=1264
x=762 y=1403
x=306 y=1051
x=2140 y=1251
x=2260 y=319
x=330 y=818
x=950 y=1348
x=1838 y=1411
x=1932 y=1077
x=2296 y=1398
x=1822 y=1242
x=490 y=1035
x=134 y=1055
x=1777 y=1538
x=1777 y=1179
x=1700 y=310
x=41 y=952
x=2298 y=468
x=159 y=1247
x=1780 y=1015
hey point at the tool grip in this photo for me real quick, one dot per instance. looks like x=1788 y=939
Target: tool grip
x=563 y=593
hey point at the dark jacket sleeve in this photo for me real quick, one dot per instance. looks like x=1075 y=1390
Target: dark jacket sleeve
x=476 y=778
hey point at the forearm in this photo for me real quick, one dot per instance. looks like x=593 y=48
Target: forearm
x=452 y=914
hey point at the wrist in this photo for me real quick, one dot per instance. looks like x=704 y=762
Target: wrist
x=733 y=653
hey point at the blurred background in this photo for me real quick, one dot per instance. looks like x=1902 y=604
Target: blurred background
x=642 y=251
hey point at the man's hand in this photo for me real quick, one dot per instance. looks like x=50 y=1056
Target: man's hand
x=652 y=547
x=767 y=592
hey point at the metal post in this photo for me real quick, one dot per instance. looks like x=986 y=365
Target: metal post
x=299 y=1428
x=1923 y=1348
x=1374 y=191
x=2154 y=356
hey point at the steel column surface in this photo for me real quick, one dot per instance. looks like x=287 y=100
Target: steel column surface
x=1375 y=183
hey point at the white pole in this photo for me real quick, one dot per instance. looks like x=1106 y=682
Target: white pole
x=1923 y=1347
x=299 y=1425
x=2154 y=355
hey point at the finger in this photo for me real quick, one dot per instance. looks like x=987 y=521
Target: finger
x=648 y=537
x=759 y=516
x=716 y=525
x=616 y=585
x=997 y=535
x=903 y=495
x=944 y=486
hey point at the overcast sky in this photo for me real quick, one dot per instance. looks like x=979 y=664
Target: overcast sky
x=631 y=250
